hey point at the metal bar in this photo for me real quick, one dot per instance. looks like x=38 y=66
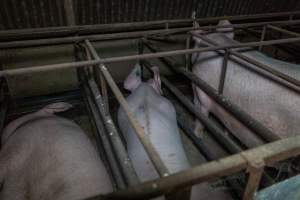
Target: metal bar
x=113 y=135
x=103 y=141
x=101 y=79
x=262 y=38
x=291 y=33
x=188 y=57
x=88 y=29
x=284 y=78
x=241 y=115
x=270 y=153
x=255 y=175
x=126 y=35
x=44 y=68
x=223 y=72
x=227 y=143
x=153 y=154
x=69 y=12
x=120 y=150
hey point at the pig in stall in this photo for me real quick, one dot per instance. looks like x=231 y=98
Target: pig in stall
x=49 y=157
x=275 y=106
x=157 y=116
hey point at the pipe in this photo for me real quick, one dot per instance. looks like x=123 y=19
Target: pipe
x=62 y=31
x=149 y=148
x=281 y=30
x=128 y=35
x=283 y=77
x=269 y=153
x=43 y=68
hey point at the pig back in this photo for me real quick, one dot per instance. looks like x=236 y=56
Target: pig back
x=158 y=118
x=51 y=158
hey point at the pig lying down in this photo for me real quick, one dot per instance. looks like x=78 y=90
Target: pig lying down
x=275 y=106
x=48 y=157
x=157 y=116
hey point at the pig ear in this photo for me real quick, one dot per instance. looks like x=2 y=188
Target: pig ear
x=133 y=80
x=156 y=82
x=227 y=31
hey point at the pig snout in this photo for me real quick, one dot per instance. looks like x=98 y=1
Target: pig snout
x=49 y=157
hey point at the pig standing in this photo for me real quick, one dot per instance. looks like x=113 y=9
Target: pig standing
x=157 y=116
x=275 y=106
x=48 y=157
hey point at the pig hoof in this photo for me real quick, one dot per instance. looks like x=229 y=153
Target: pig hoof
x=57 y=107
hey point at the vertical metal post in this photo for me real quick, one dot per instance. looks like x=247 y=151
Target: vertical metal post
x=223 y=72
x=188 y=57
x=141 y=51
x=263 y=34
x=255 y=169
x=69 y=12
x=101 y=81
x=149 y=148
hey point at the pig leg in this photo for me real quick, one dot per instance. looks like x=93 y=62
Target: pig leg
x=199 y=127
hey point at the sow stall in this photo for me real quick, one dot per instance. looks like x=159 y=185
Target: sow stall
x=97 y=90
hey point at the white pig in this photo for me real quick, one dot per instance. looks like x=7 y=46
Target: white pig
x=157 y=116
x=275 y=106
x=48 y=157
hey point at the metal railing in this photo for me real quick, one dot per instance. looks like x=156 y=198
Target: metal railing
x=253 y=160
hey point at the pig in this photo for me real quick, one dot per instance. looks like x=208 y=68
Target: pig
x=49 y=157
x=157 y=116
x=272 y=104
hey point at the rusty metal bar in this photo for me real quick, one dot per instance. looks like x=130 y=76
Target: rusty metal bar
x=44 y=68
x=255 y=175
x=236 y=111
x=126 y=35
x=114 y=136
x=188 y=57
x=223 y=72
x=90 y=29
x=262 y=38
x=269 y=153
x=225 y=141
x=153 y=154
x=284 y=79
x=102 y=139
x=101 y=136
x=100 y=78
x=281 y=30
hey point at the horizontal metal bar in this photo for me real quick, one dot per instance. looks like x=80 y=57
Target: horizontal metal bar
x=241 y=115
x=43 y=68
x=128 y=35
x=18 y=34
x=153 y=154
x=281 y=30
x=269 y=153
x=258 y=64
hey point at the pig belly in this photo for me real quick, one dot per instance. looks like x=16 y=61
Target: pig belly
x=51 y=158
